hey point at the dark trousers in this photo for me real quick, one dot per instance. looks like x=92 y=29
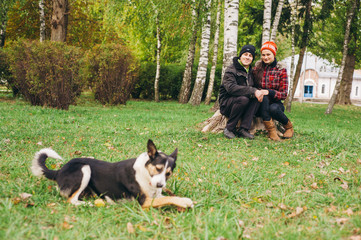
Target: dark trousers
x=273 y=110
x=236 y=108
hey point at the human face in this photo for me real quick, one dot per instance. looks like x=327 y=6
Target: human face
x=267 y=56
x=246 y=59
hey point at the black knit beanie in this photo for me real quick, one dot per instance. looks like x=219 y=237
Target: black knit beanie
x=248 y=48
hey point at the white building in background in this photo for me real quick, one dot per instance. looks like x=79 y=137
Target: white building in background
x=318 y=79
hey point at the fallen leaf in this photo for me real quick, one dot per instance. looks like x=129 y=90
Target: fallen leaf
x=344 y=185
x=282 y=175
x=282 y=206
x=130 y=228
x=77 y=152
x=25 y=196
x=286 y=163
x=332 y=208
x=298 y=211
x=314 y=186
x=349 y=212
x=358 y=161
x=341 y=221
x=241 y=223
x=66 y=225
x=16 y=200
x=269 y=205
x=357 y=237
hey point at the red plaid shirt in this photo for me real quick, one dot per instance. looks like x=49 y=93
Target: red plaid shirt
x=275 y=78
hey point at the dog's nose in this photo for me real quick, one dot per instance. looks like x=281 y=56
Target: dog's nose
x=159 y=185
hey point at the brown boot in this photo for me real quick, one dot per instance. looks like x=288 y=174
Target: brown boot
x=271 y=128
x=289 y=130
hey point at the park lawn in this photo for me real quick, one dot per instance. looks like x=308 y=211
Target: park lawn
x=307 y=187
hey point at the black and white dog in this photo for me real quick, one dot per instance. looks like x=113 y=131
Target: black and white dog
x=142 y=178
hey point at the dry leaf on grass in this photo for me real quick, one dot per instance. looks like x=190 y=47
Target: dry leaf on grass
x=25 y=196
x=355 y=237
x=282 y=175
x=314 y=186
x=296 y=213
x=130 y=228
x=341 y=221
x=349 y=212
x=282 y=206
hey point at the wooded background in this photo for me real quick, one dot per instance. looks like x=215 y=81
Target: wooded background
x=197 y=35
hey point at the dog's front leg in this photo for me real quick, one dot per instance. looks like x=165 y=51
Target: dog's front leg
x=165 y=201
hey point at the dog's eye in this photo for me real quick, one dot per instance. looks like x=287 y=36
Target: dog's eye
x=168 y=174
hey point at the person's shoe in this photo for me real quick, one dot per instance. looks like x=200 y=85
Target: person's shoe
x=245 y=134
x=271 y=129
x=289 y=130
x=228 y=134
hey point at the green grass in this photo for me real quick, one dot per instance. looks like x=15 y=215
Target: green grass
x=237 y=184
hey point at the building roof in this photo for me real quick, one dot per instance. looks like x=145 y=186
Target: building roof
x=324 y=68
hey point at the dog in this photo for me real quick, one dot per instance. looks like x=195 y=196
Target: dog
x=140 y=178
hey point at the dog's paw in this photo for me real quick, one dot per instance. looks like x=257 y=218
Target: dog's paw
x=187 y=203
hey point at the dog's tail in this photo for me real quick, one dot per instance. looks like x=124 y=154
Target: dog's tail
x=38 y=166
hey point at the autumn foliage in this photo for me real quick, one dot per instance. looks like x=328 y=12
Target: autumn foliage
x=47 y=73
x=111 y=72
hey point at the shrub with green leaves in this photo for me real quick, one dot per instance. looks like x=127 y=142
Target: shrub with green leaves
x=45 y=73
x=170 y=81
x=111 y=71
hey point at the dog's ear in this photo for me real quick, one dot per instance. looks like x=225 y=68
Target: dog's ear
x=152 y=150
x=174 y=154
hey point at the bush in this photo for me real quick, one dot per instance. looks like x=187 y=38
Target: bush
x=111 y=72
x=45 y=73
x=170 y=81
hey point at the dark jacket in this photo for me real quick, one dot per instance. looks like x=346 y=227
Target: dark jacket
x=236 y=82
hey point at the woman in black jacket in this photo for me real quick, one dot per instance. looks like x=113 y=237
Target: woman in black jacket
x=238 y=97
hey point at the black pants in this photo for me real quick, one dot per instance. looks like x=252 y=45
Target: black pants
x=236 y=108
x=273 y=110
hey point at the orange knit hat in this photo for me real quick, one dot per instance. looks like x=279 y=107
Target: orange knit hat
x=269 y=46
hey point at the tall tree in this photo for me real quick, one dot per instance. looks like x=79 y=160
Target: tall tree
x=307 y=27
x=215 y=56
x=293 y=26
x=157 y=75
x=198 y=88
x=349 y=18
x=5 y=5
x=276 y=21
x=185 y=90
x=230 y=36
x=42 y=20
x=59 y=20
x=267 y=16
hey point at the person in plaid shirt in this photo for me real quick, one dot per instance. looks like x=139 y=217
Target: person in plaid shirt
x=270 y=75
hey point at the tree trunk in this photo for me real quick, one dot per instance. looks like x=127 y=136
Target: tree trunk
x=343 y=97
x=2 y=33
x=59 y=20
x=230 y=38
x=293 y=27
x=276 y=21
x=157 y=74
x=187 y=77
x=267 y=16
x=344 y=55
x=42 y=20
x=215 y=56
x=198 y=88
x=307 y=26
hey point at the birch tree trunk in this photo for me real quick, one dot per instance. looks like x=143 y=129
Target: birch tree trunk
x=198 y=88
x=343 y=97
x=304 y=42
x=344 y=55
x=215 y=56
x=293 y=27
x=267 y=16
x=59 y=20
x=230 y=37
x=157 y=74
x=42 y=20
x=187 y=77
x=276 y=21
x=2 y=33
